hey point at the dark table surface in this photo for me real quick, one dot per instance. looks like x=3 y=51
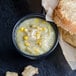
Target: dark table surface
x=10 y=60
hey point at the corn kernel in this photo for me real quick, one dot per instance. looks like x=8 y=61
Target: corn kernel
x=38 y=42
x=25 y=37
x=38 y=32
x=36 y=51
x=27 y=44
x=36 y=20
x=44 y=28
x=22 y=29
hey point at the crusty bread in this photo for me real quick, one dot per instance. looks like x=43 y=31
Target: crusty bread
x=66 y=36
x=65 y=17
x=30 y=71
x=66 y=12
x=11 y=73
x=59 y=23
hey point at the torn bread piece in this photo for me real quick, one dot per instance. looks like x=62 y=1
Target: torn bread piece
x=67 y=30
x=11 y=73
x=66 y=36
x=30 y=71
x=66 y=11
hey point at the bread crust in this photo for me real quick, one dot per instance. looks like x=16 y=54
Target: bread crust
x=66 y=36
x=67 y=23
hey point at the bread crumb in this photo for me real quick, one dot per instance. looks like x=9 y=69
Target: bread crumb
x=30 y=71
x=11 y=74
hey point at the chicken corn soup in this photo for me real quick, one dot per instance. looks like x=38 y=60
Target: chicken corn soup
x=35 y=36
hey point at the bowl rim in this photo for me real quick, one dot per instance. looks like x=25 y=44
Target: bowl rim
x=35 y=15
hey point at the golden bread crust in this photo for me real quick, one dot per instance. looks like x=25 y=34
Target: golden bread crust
x=67 y=37
x=67 y=23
